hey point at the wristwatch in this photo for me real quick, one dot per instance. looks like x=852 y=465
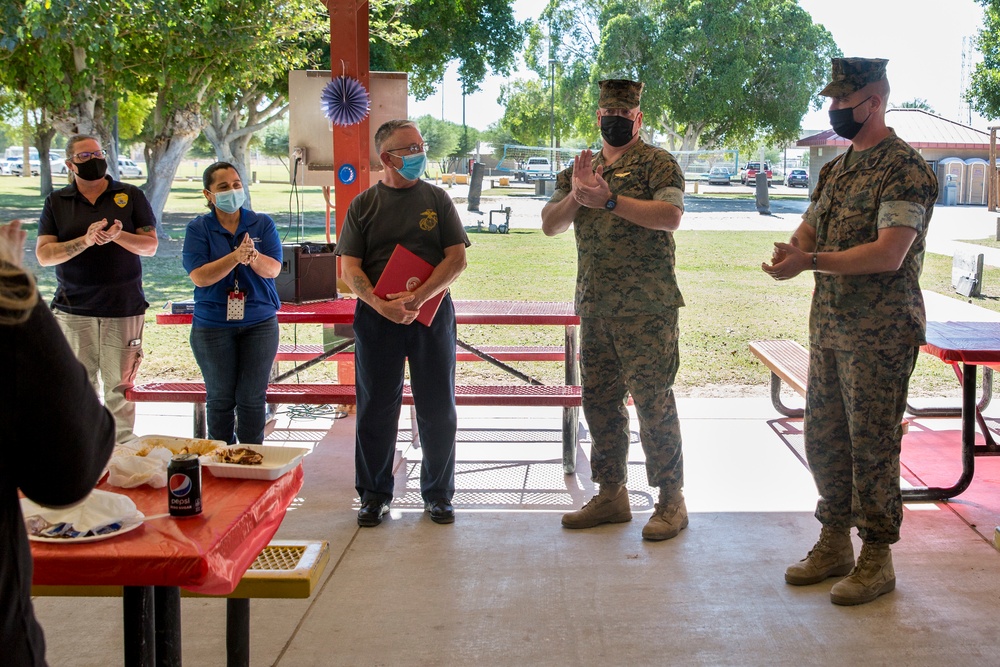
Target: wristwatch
x=612 y=202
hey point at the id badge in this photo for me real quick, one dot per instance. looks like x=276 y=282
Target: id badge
x=235 y=304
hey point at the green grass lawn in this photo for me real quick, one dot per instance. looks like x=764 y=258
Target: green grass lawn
x=730 y=301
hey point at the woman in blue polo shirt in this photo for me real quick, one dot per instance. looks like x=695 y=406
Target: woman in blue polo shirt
x=233 y=255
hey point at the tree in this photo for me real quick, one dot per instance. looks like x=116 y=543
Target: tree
x=481 y=35
x=441 y=136
x=916 y=103
x=984 y=90
x=716 y=71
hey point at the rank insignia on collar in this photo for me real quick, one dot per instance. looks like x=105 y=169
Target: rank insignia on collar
x=121 y=199
x=622 y=174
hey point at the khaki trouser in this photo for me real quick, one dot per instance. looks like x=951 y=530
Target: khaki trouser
x=110 y=348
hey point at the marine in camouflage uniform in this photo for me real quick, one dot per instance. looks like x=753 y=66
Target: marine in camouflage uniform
x=627 y=298
x=866 y=325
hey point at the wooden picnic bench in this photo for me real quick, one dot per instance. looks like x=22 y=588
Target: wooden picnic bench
x=789 y=363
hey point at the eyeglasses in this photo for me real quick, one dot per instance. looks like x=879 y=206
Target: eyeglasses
x=84 y=156
x=412 y=149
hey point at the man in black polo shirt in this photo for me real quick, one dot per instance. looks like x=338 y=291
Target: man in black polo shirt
x=94 y=231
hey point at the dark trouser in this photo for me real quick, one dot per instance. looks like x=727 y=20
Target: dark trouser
x=236 y=365
x=854 y=406
x=638 y=356
x=380 y=349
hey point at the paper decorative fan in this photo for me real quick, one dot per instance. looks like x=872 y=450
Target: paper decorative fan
x=345 y=101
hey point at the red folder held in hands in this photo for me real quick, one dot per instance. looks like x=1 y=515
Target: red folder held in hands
x=406 y=272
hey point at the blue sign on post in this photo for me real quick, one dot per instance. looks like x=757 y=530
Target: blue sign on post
x=347 y=174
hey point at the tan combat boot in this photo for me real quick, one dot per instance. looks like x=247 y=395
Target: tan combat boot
x=873 y=576
x=833 y=556
x=670 y=516
x=610 y=505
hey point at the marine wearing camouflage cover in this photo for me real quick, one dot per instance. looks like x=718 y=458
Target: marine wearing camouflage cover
x=850 y=74
x=624 y=269
x=627 y=298
x=865 y=333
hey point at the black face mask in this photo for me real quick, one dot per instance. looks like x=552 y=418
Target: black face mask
x=843 y=123
x=93 y=169
x=616 y=130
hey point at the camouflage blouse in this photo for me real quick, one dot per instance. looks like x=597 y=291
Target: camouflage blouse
x=624 y=269
x=889 y=185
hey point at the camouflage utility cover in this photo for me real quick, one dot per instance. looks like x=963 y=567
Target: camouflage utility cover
x=624 y=269
x=619 y=94
x=851 y=74
x=888 y=185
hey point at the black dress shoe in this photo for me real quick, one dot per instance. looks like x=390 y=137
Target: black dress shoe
x=371 y=512
x=441 y=511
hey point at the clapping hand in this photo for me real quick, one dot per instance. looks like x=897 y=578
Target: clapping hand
x=13 y=237
x=103 y=236
x=589 y=187
x=245 y=252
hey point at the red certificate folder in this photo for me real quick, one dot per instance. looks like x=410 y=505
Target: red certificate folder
x=405 y=272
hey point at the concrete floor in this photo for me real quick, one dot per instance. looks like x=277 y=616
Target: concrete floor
x=506 y=585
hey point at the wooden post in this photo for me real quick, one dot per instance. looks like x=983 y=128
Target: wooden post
x=349 y=57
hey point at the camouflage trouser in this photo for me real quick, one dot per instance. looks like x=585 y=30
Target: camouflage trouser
x=854 y=405
x=637 y=355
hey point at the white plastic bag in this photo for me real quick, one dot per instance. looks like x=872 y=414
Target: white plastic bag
x=129 y=471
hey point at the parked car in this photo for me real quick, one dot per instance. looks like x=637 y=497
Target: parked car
x=128 y=169
x=16 y=167
x=58 y=164
x=535 y=168
x=797 y=177
x=749 y=174
x=719 y=176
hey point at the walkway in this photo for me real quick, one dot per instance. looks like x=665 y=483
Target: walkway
x=506 y=585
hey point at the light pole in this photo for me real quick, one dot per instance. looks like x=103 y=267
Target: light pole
x=552 y=112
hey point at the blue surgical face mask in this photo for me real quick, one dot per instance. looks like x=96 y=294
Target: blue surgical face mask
x=230 y=201
x=413 y=167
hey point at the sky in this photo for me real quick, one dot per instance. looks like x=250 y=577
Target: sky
x=921 y=38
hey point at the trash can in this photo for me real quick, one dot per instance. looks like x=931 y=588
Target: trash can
x=950 y=194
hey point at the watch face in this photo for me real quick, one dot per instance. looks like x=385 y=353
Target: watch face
x=610 y=204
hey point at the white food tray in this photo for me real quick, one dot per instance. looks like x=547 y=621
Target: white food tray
x=172 y=443
x=277 y=461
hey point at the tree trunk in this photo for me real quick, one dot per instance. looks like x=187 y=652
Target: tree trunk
x=44 y=133
x=231 y=140
x=168 y=147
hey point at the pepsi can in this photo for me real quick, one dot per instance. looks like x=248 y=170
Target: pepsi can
x=184 y=485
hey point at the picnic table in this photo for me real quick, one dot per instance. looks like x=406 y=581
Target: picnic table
x=482 y=312
x=208 y=554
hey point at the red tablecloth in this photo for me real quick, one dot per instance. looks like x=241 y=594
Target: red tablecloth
x=208 y=553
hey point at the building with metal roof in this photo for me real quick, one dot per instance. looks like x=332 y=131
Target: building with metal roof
x=958 y=153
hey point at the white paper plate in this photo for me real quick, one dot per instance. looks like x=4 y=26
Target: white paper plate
x=128 y=526
x=277 y=461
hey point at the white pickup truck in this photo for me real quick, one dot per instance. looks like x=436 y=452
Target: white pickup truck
x=535 y=168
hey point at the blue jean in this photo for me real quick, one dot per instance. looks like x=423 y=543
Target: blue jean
x=380 y=349
x=236 y=365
